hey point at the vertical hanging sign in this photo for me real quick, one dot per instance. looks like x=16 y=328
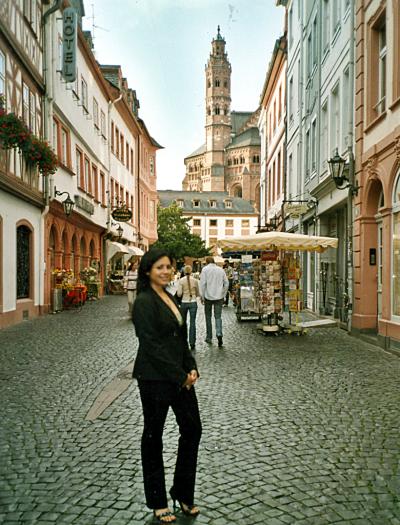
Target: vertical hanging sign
x=69 y=44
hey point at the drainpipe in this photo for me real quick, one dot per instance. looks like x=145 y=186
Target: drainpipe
x=349 y=257
x=48 y=77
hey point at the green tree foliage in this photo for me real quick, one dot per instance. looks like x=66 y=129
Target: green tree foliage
x=174 y=235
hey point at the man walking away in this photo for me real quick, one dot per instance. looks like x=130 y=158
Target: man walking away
x=214 y=285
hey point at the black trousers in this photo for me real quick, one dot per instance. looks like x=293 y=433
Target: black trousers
x=157 y=397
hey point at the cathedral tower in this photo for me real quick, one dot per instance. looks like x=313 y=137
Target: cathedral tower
x=218 y=114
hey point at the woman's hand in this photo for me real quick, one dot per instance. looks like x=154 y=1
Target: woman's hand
x=191 y=379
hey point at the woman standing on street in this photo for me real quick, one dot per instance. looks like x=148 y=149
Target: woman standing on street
x=188 y=289
x=166 y=373
x=130 y=282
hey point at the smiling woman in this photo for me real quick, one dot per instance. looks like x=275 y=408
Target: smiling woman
x=166 y=372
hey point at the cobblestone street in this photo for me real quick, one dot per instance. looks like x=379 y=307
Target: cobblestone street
x=296 y=430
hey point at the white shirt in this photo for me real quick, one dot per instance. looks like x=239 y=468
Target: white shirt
x=213 y=282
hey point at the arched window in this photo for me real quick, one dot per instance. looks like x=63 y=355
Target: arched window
x=237 y=191
x=217 y=83
x=225 y=83
x=82 y=250
x=52 y=247
x=209 y=84
x=208 y=110
x=226 y=110
x=396 y=247
x=241 y=159
x=217 y=110
x=23 y=262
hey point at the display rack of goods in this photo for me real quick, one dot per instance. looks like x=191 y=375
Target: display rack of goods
x=292 y=276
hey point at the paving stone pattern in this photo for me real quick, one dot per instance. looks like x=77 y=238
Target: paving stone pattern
x=297 y=430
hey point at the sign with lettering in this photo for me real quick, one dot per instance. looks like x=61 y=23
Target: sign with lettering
x=295 y=210
x=70 y=34
x=122 y=214
x=84 y=204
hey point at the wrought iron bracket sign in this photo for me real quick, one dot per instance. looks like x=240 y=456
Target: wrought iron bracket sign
x=122 y=214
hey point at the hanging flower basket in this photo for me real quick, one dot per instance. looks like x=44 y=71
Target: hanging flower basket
x=15 y=134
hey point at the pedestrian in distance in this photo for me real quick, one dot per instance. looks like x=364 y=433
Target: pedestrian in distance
x=213 y=288
x=188 y=290
x=166 y=372
x=130 y=282
x=229 y=274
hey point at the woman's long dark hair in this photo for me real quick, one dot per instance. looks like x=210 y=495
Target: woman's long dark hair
x=146 y=264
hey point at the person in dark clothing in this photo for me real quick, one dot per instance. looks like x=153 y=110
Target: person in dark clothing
x=166 y=372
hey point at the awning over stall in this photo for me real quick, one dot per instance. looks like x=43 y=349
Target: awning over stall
x=278 y=241
x=114 y=247
x=134 y=250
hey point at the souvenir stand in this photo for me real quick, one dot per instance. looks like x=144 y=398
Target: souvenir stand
x=270 y=276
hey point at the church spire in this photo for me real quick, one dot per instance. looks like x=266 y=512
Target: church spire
x=219 y=36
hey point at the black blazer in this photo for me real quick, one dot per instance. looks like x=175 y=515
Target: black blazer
x=163 y=352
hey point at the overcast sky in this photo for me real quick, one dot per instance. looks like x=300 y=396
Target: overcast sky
x=163 y=46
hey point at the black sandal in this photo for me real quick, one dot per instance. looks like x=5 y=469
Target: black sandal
x=188 y=510
x=161 y=517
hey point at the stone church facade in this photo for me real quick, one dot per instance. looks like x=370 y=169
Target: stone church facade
x=229 y=160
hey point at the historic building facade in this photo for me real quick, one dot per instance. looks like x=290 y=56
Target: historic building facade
x=272 y=126
x=106 y=159
x=21 y=186
x=320 y=120
x=377 y=217
x=214 y=215
x=229 y=160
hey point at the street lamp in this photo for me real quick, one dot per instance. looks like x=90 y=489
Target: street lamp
x=342 y=172
x=270 y=226
x=120 y=230
x=68 y=204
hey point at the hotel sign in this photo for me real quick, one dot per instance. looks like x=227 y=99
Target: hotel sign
x=70 y=34
x=122 y=214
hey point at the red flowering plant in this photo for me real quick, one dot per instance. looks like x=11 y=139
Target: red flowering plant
x=15 y=134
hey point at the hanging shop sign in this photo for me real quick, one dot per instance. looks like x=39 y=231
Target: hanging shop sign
x=122 y=214
x=295 y=210
x=70 y=33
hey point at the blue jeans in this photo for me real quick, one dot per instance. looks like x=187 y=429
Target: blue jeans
x=192 y=309
x=208 y=305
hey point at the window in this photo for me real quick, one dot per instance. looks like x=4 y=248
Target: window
x=290 y=24
x=64 y=150
x=396 y=248
x=217 y=110
x=88 y=179
x=117 y=142
x=78 y=169
x=313 y=146
x=2 y=73
x=278 y=176
x=325 y=25
x=213 y=223
x=95 y=183
x=131 y=163
x=23 y=262
x=309 y=54
x=196 y=222
x=217 y=83
x=179 y=203
x=245 y=223
x=127 y=155
x=314 y=43
x=335 y=119
x=228 y=204
x=25 y=103
x=102 y=189
x=60 y=53
x=103 y=123
x=122 y=147
x=196 y=204
x=256 y=159
x=151 y=165
x=335 y=16
x=324 y=135
x=55 y=137
x=291 y=98
x=84 y=94
x=112 y=136
x=307 y=154
x=381 y=105
x=95 y=113
x=228 y=223
x=152 y=211
x=345 y=107
x=32 y=112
